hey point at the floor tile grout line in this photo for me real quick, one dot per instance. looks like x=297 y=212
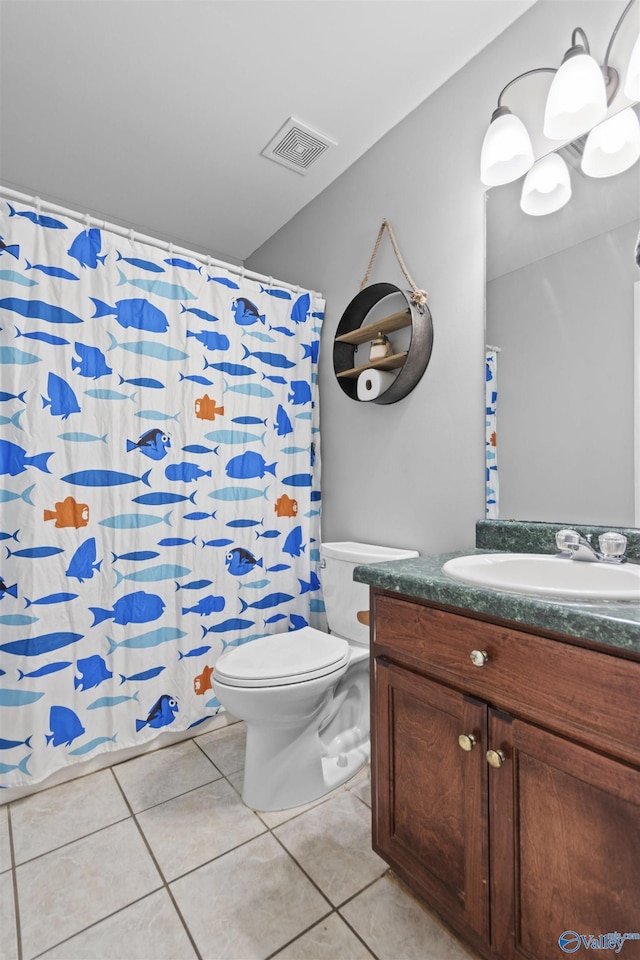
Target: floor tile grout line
x=14 y=881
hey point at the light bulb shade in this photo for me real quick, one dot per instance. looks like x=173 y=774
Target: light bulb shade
x=577 y=99
x=632 y=82
x=546 y=187
x=506 y=150
x=612 y=146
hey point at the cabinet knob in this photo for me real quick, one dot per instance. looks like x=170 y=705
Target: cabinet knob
x=467 y=741
x=495 y=758
x=479 y=657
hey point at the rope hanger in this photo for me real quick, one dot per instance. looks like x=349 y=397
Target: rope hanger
x=419 y=297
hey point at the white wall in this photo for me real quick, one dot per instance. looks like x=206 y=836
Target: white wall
x=411 y=474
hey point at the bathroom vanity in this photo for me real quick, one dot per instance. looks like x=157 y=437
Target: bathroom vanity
x=506 y=758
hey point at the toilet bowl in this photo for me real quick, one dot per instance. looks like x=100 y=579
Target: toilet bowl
x=304 y=695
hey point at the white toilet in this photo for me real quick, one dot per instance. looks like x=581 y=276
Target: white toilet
x=304 y=695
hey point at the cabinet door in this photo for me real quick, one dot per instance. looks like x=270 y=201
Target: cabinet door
x=429 y=796
x=565 y=844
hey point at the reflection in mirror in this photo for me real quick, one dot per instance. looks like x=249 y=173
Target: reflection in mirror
x=560 y=306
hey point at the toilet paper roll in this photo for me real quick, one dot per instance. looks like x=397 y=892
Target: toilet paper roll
x=372 y=383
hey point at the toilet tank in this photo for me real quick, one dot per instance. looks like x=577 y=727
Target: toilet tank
x=347 y=602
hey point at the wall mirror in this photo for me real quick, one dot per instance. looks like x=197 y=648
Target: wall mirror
x=560 y=306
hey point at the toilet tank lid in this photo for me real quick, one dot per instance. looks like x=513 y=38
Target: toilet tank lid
x=365 y=552
x=283 y=655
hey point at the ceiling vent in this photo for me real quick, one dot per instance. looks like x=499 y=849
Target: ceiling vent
x=297 y=146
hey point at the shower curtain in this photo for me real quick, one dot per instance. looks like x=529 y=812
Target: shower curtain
x=492 y=488
x=160 y=483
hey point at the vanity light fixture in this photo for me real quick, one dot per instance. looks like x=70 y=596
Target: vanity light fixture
x=579 y=96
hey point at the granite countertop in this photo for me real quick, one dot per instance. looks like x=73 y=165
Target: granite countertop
x=610 y=624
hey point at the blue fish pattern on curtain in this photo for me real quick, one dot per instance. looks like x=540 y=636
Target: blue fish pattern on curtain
x=159 y=484
x=492 y=487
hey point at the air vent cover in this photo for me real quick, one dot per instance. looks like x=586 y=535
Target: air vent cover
x=297 y=146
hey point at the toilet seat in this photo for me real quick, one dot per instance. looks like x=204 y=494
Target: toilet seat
x=282 y=658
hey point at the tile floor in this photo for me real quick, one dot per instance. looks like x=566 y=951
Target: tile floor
x=157 y=858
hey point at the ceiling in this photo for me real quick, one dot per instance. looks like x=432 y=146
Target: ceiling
x=154 y=113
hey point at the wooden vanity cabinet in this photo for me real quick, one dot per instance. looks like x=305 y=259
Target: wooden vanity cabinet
x=546 y=840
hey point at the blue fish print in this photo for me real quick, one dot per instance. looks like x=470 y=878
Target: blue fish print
x=34 y=553
x=7 y=495
x=39 y=310
x=273 y=379
x=201 y=314
x=283 y=423
x=62 y=400
x=52 y=271
x=194 y=585
x=83 y=562
x=211 y=340
x=185 y=471
x=138 y=607
x=91 y=745
x=11 y=536
x=223 y=542
x=163 y=571
x=196 y=652
x=22 y=766
x=156 y=415
x=92 y=362
x=243 y=523
x=198 y=448
x=18 y=698
x=269 y=534
x=206 y=606
x=283 y=330
x=247 y=421
x=10 y=744
x=225 y=281
x=151 y=639
x=144 y=675
x=231 y=369
x=143 y=382
x=248 y=465
x=293 y=544
x=311 y=351
x=235 y=623
x=300 y=309
x=272 y=359
x=312 y=584
x=176 y=542
x=82 y=437
x=65 y=726
x=13 y=249
x=170 y=291
x=4 y=396
x=279 y=294
x=178 y=262
x=136 y=557
x=43 y=337
x=240 y=562
x=245 y=312
x=149 y=348
x=14 y=420
x=250 y=389
x=13 y=356
x=297 y=622
x=162 y=713
x=14 y=459
x=264 y=603
x=232 y=436
x=11 y=591
x=38 y=218
x=12 y=276
x=160 y=499
x=135 y=312
x=298 y=480
x=141 y=264
x=300 y=392
x=35 y=646
x=46 y=670
x=85 y=248
x=93 y=671
x=238 y=493
x=199 y=515
x=196 y=378
x=104 y=394
x=17 y=620
x=153 y=444
x=110 y=701
x=104 y=478
x=134 y=521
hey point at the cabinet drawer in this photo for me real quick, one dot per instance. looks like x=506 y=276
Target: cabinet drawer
x=590 y=696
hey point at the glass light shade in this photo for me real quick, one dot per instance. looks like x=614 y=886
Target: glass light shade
x=632 y=83
x=546 y=187
x=577 y=99
x=612 y=146
x=506 y=150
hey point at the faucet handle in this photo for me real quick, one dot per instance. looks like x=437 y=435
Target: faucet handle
x=567 y=540
x=612 y=544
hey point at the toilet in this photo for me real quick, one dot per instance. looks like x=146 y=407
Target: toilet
x=304 y=695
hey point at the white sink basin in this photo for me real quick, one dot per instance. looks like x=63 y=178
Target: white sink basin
x=548 y=576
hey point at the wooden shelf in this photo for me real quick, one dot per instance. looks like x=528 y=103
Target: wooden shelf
x=385 y=363
x=395 y=321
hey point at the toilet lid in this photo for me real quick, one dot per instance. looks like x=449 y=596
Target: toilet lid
x=282 y=658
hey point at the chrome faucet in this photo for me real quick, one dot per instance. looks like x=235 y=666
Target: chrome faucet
x=576 y=547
